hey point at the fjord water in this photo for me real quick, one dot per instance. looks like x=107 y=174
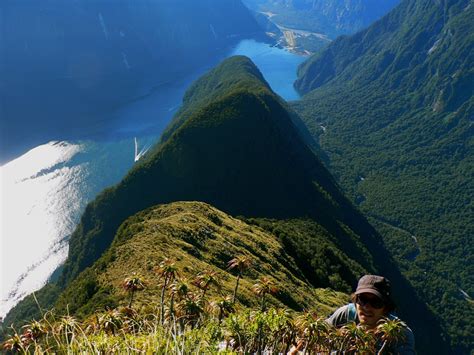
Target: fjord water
x=278 y=66
x=44 y=191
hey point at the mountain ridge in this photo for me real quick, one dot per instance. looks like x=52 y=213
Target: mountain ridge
x=199 y=237
x=75 y=62
x=392 y=107
x=333 y=18
x=243 y=154
x=176 y=162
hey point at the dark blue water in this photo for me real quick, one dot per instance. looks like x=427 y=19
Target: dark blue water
x=152 y=113
x=44 y=191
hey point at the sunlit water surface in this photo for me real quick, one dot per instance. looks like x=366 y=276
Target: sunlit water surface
x=44 y=192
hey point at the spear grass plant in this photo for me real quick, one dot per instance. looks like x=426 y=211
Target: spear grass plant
x=133 y=284
x=244 y=331
x=390 y=331
x=195 y=325
x=167 y=272
x=241 y=263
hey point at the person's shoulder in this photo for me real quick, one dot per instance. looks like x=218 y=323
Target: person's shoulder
x=409 y=336
x=344 y=308
x=341 y=316
x=407 y=330
x=406 y=345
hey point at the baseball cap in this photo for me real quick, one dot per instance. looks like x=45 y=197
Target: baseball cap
x=376 y=285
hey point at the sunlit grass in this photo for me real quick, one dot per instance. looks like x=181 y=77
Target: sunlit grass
x=191 y=320
x=244 y=331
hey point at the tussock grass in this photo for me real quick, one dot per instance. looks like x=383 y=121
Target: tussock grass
x=125 y=331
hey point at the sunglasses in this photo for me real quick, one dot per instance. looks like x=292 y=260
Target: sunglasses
x=374 y=302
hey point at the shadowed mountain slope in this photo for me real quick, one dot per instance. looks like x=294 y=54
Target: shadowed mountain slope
x=239 y=152
x=242 y=153
x=67 y=64
x=393 y=109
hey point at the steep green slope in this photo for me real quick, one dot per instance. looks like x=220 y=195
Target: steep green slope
x=242 y=153
x=233 y=74
x=198 y=237
x=393 y=109
x=71 y=61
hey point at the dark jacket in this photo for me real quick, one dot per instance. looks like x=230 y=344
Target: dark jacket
x=347 y=314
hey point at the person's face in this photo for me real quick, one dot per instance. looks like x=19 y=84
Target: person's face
x=370 y=309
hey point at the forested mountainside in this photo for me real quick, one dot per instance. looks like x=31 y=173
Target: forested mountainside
x=393 y=109
x=332 y=18
x=236 y=146
x=66 y=63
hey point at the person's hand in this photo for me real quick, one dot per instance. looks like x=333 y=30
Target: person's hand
x=295 y=349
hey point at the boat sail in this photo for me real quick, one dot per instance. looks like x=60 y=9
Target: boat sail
x=142 y=152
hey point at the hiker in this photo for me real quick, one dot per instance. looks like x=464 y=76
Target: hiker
x=371 y=302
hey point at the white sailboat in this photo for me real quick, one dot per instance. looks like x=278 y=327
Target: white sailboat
x=142 y=152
